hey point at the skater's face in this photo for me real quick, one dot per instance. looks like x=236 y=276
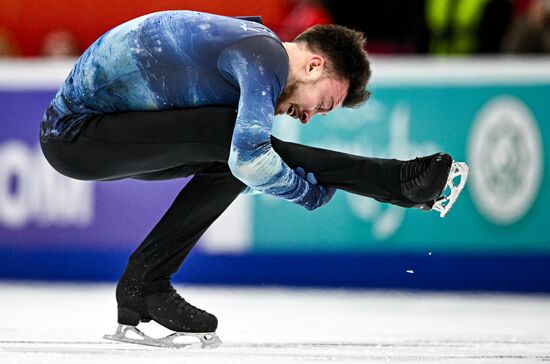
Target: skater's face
x=316 y=93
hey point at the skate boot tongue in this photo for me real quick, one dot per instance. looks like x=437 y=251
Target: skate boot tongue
x=173 y=312
x=174 y=299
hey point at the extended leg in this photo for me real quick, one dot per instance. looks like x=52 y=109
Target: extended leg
x=432 y=182
x=373 y=177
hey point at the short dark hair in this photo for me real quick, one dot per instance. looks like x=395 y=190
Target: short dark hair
x=344 y=48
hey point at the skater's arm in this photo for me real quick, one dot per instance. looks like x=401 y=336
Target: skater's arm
x=259 y=66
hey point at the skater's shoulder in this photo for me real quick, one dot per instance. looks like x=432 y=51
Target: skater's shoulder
x=256 y=60
x=218 y=26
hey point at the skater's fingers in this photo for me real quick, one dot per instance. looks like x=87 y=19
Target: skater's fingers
x=301 y=172
x=311 y=178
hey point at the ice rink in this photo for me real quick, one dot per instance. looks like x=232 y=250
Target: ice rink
x=65 y=323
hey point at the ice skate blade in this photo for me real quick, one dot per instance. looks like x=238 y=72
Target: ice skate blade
x=444 y=204
x=207 y=339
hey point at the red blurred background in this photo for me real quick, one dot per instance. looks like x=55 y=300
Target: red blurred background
x=62 y=28
x=29 y=21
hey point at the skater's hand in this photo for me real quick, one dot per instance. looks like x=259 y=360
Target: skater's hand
x=325 y=193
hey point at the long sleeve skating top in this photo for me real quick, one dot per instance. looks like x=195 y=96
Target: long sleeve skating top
x=183 y=59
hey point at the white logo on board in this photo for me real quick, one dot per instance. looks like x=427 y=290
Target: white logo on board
x=505 y=155
x=33 y=192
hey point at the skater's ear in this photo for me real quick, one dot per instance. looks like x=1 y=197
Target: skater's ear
x=315 y=67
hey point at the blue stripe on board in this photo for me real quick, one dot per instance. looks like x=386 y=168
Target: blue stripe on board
x=435 y=272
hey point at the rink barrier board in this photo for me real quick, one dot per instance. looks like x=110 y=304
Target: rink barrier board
x=457 y=272
x=364 y=243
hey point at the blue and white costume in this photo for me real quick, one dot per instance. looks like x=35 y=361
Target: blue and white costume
x=184 y=59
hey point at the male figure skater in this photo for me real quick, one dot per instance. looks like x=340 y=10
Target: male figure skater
x=181 y=93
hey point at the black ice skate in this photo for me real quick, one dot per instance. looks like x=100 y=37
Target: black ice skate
x=170 y=310
x=424 y=181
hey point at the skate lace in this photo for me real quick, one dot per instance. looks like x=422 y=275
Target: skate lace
x=413 y=171
x=173 y=298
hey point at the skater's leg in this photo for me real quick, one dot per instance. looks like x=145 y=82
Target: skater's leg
x=162 y=252
x=121 y=145
x=373 y=177
x=413 y=183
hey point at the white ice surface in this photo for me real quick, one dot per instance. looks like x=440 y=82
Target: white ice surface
x=47 y=323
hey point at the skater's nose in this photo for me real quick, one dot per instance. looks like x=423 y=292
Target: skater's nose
x=306 y=116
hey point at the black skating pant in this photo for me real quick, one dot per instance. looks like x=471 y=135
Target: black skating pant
x=178 y=143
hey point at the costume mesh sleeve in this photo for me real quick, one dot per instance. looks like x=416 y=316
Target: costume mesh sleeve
x=259 y=65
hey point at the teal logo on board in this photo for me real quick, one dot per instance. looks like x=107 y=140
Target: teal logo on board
x=386 y=218
x=505 y=152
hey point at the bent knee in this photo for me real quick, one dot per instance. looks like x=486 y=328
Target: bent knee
x=59 y=156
